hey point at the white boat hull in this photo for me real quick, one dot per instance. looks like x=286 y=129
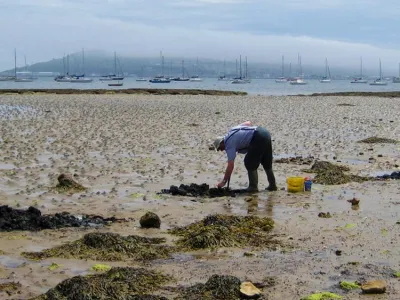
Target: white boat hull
x=23 y=80
x=378 y=83
x=81 y=80
x=359 y=81
x=195 y=79
x=281 y=80
x=325 y=80
x=298 y=82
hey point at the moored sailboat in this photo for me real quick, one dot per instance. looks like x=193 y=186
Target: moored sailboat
x=380 y=80
x=360 y=79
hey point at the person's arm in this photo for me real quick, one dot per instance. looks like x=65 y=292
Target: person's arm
x=247 y=123
x=228 y=172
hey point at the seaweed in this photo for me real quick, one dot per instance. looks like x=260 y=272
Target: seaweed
x=330 y=174
x=346 y=285
x=226 y=231
x=378 y=140
x=67 y=184
x=121 y=283
x=322 y=296
x=217 y=287
x=107 y=247
x=10 y=288
x=198 y=190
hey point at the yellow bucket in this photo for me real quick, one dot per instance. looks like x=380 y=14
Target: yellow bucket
x=295 y=184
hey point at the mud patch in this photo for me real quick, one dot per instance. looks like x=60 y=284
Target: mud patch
x=196 y=190
x=107 y=247
x=32 y=219
x=118 y=283
x=226 y=231
x=330 y=174
x=378 y=140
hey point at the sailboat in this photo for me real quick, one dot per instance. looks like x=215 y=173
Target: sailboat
x=183 y=78
x=327 y=77
x=223 y=77
x=141 y=78
x=240 y=79
x=282 y=78
x=161 y=78
x=112 y=76
x=21 y=79
x=299 y=80
x=360 y=79
x=379 y=81
x=81 y=78
x=195 y=78
x=397 y=79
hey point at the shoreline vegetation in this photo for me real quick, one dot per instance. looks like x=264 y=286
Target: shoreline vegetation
x=391 y=94
x=124 y=91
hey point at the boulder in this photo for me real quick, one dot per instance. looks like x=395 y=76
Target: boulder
x=249 y=291
x=374 y=287
x=150 y=220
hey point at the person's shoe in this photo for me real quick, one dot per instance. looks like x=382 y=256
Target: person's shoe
x=253 y=181
x=272 y=188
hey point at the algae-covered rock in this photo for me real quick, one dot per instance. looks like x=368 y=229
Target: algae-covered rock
x=150 y=220
x=226 y=231
x=107 y=247
x=218 y=287
x=118 y=283
x=322 y=296
x=66 y=183
x=101 y=268
x=374 y=287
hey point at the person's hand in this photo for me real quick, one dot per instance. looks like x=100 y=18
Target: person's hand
x=221 y=184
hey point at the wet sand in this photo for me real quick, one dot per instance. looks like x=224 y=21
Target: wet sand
x=126 y=148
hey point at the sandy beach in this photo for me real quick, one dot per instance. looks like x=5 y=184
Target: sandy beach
x=126 y=148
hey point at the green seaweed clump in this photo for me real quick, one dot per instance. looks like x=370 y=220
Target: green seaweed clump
x=349 y=285
x=378 y=140
x=117 y=283
x=10 y=288
x=217 y=287
x=107 y=247
x=330 y=174
x=396 y=274
x=226 y=231
x=322 y=296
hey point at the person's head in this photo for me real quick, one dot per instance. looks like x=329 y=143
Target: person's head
x=219 y=144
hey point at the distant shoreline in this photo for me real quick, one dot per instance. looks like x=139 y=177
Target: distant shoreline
x=392 y=94
x=124 y=91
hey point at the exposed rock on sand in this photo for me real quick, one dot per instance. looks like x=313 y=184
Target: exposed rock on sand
x=374 y=287
x=32 y=219
x=150 y=220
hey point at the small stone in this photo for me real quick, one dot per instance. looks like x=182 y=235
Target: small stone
x=325 y=215
x=374 y=287
x=338 y=252
x=150 y=220
x=361 y=153
x=248 y=290
x=380 y=155
x=249 y=254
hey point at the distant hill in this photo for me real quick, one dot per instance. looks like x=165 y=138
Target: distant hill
x=97 y=64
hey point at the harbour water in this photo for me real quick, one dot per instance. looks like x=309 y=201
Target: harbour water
x=256 y=87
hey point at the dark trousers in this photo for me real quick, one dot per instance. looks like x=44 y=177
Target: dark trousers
x=260 y=152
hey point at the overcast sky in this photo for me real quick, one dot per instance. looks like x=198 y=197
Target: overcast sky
x=263 y=30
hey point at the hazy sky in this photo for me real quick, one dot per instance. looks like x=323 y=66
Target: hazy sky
x=263 y=30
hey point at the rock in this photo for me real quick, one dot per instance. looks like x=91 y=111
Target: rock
x=354 y=201
x=374 y=287
x=248 y=290
x=325 y=215
x=150 y=220
x=66 y=181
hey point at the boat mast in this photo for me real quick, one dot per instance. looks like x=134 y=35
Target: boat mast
x=236 y=68
x=83 y=62
x=380 y=69
x=15 y=63
x=361 y=67
x=183 y=69
x=240 y=64
x=283 y=64
x=326 y=67
x=246 y=69
x=115 y=63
